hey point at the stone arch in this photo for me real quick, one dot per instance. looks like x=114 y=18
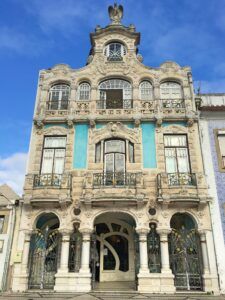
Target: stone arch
x=49 y=216
x=115 y=130
x=189 y=215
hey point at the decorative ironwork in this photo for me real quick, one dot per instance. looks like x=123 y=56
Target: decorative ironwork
x=114 y=179
x=173 y=103
x=41 y=180
x=58 y=105
x=115 y=104
x=175 y=179
x=43 y=259
x=154 y=257
x=75 y=252
x=185 y=259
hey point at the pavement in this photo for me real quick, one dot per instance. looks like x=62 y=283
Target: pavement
x=106 y=296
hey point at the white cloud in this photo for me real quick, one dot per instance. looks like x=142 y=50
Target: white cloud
x=12 y=171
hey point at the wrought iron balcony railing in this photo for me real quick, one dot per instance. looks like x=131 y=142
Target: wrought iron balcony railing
x=114 y=179
x=115 y=104
x=177 y=179
x=173 y=103
x=58 y=105
x=44 y=180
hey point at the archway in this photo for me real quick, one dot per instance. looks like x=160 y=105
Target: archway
x=44 y=252
x=114 y=253
x=185 y=253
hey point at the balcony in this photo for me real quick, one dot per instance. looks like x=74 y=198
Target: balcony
x=120 y=188
x=57 y=108
x=48 y=189
x=114 y=104
x=118 y=179
x=185 y=188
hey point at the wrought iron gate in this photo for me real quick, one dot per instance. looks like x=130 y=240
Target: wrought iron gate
x=43 y=260
x=185 y=259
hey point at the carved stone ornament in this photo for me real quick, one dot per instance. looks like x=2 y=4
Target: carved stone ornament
x=115 y=13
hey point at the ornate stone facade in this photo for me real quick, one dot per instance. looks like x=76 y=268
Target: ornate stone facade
x=125 y=196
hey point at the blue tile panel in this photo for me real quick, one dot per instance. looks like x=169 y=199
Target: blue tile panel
x=148 y=145
x=219 y=176
x=80 y=146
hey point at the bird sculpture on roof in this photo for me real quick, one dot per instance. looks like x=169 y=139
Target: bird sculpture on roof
x=115 y=13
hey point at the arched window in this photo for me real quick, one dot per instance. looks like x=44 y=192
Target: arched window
x=146 y=90
x=84 y=91
x=59 y=97
x=170 y=90
x=185 y=253
x=115 y=51
x=115 y=93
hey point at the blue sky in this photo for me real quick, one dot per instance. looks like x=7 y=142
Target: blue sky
x=36 y=34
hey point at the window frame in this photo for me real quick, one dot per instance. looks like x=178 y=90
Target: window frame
x=171 y=96
x=221 y=165
x=84 y=83
x=177 y=147
x=141 y=89
x=60 y=100
x=2 y=227
x=53 y=160
x=123 y=51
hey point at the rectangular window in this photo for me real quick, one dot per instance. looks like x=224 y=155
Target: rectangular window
x=53 y=157
x=177 y=159
x=221 y=143
x=2 y=220
x=131 y=152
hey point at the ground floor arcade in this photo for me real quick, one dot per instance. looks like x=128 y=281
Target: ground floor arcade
x=119 y=248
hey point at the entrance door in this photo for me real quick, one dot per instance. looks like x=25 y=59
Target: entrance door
x=116 y=251
x=185 y=256
x=43 y=259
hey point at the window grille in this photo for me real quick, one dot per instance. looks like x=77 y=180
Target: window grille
x=115 y=51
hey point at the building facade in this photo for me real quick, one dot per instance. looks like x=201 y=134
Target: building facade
x=212 y=128
x=115 y=189
x=9 y=202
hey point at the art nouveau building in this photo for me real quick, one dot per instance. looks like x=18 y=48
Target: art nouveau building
x=115 y=189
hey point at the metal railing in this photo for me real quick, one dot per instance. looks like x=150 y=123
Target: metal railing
x=114 y=104
x=173 y=103
x=176 y=179
x=42 y=180
x=58 y=105
x=114 y=179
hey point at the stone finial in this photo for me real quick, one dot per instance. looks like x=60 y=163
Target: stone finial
x=115 y=13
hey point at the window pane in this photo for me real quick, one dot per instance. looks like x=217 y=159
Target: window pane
x=55 y=142
x=47 y=161
x=175 y=140
x=84 y=91
x=221 y=139
x=171 y=164
x=119 y=162
x=146 y=91
x=170 y=90
x=183 y=161
x=59 y=161
x=109 y=163
x=115 y=146
x=2 y=219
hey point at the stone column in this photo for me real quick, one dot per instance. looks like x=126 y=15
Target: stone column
x=65 y=251
x=205 y=259
x=26 y=247
x=85 y=256
x=142 y=232
x=165 y=263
